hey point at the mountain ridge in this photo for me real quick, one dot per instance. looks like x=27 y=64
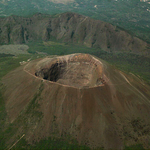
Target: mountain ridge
x=70 y=27
x=121 y=13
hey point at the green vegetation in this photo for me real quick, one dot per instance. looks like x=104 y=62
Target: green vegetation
x=134 y=147
x=34 y=102
x=8 y=63
x=57 y=48
x=50 y=144
x=2 y=118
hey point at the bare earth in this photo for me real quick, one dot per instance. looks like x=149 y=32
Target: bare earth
x=14 y=49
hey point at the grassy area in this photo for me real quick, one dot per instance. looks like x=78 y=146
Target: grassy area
x=7 y=63
x=2 y=119
x=57 y=48
x=50 y=144
x=134 y=147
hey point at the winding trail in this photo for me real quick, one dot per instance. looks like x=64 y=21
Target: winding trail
x=136 y=88
x=83 y=20
x=16 y=142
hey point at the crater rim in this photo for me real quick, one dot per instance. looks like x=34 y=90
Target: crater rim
x=77 y=70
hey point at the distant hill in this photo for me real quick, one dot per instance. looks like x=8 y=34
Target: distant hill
x=70 y=27
x=132 y=15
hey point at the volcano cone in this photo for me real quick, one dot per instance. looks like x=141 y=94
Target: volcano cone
x=80 y=96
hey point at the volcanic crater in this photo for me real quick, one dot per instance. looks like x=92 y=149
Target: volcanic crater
x=76 y=70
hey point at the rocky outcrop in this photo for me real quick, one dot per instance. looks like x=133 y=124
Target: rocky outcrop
x=70 y=27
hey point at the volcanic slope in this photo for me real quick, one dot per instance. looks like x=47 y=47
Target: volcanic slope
x=81 y=96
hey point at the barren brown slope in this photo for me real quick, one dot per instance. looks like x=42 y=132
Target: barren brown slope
x=70 y=27
x=108 y=112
